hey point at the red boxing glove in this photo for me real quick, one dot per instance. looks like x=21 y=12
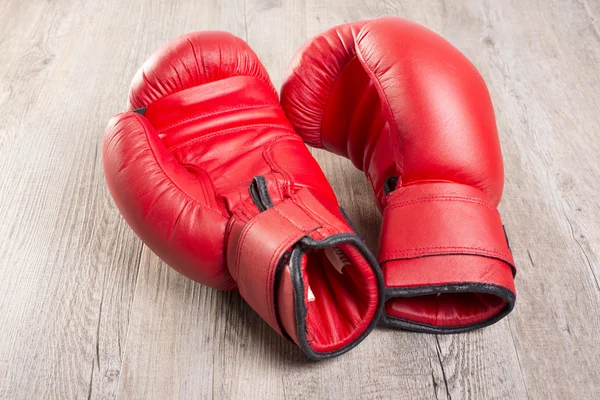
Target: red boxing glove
x=415 y=115
x=212 y=177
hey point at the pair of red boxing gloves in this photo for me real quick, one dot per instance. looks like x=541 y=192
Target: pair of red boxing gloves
x=212 y=172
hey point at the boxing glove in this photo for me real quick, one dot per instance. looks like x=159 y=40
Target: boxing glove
x=206 y=169
x=413 y=113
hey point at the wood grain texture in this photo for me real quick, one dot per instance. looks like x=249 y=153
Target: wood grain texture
x=86 y=311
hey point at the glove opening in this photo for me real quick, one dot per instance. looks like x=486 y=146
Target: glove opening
x=337 y=290
x=469 y=307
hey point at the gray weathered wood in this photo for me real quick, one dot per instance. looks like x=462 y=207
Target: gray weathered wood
x=87 y=311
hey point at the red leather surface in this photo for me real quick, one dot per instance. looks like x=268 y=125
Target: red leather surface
x=151 y=188
x=438 y=219
x=448 y=234
x=255 y=251
x=399 y=100
x=181 y=173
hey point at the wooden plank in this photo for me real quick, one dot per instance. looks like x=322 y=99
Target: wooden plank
x=543 y=78
x=65 y=293
x=32 y=36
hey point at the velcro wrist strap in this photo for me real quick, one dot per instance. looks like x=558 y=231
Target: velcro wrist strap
x=259 y=249
x=434 y=219
x=440 y=239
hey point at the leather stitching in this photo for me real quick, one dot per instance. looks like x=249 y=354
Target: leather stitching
x=330 y=89
x=224 y=131
x=137 y=116
x=275 y=167
x=271 y=276
x=419 y=251
x=323 y=224
x=223 y=111
x=240 y=248
x=241 y=242
x=383 y=93
x=303 y=230
x=442 y=198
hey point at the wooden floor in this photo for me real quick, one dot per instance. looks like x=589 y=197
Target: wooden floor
x=87 y=311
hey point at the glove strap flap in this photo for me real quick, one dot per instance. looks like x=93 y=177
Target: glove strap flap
x=260 y=249
x=443 y=237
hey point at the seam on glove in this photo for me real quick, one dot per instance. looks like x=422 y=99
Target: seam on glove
x=330 y=92
x=271 y=280
x=323 y=224
x=205 y=208
x=223 y=111
x=303 y=230
x=225 y=131
x=382 y=93
x=442 y=198
x=282 y=189
x=423 y=251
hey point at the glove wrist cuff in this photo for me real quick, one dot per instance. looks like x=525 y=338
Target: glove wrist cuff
x=259 y=249
x=278 y=255
x=444 y=239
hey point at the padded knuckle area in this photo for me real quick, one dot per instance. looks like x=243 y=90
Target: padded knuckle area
x=154 y=193
x=191 y=60
x=311 y=76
